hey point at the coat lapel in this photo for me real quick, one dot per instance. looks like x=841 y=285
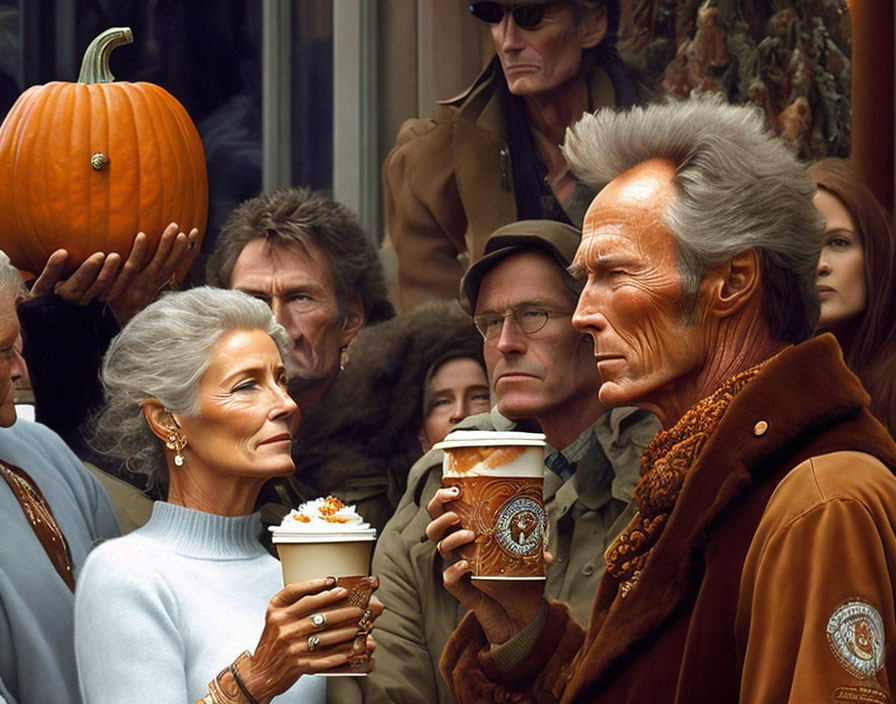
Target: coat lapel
x=483 y=169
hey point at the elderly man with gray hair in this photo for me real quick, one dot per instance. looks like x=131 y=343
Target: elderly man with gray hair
x=761 y=563
x=52 y=512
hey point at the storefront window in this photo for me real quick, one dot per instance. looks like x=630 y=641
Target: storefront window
x=209 y=55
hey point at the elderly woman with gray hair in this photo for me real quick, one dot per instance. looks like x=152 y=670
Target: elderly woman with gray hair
x=196 y=395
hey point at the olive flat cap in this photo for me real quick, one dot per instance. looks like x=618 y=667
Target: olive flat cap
x=555 y=238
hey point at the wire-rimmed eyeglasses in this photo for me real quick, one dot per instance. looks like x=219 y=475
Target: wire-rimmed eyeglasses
x=529 y=319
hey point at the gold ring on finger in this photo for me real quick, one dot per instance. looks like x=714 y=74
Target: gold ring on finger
x=313 y=642
x=318 y=620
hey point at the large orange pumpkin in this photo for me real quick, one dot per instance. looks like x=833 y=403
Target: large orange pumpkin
x=86 y=166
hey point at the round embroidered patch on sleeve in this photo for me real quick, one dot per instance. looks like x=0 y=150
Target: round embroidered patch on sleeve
x=856 y=635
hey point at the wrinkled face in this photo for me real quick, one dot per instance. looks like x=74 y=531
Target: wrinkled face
x=12 y=366
x=840 y=273
x=458 y=389
x=246 y=418
x=628 y=260
x=534 y=375
x=297 y=283
x=543 y=58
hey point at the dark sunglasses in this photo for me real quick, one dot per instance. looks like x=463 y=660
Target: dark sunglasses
x=525 y=16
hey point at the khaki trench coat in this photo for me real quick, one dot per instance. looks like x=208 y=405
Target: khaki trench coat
x=448 y=185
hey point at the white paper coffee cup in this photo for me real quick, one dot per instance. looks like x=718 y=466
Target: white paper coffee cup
x=307 y=555
x=500 y=476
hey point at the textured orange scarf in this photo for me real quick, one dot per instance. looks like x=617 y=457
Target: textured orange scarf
x=664 y=466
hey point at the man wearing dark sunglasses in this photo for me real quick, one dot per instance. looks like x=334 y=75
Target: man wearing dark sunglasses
x=526 y=15
x=491 y=156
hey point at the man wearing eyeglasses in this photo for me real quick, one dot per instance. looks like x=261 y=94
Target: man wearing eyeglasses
x=490 y=156
x=543 y=375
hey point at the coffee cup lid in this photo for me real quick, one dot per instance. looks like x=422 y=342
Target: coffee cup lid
x=306 y=536
x=478 y=438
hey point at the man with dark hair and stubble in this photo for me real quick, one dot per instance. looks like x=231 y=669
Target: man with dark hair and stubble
x=307 y=257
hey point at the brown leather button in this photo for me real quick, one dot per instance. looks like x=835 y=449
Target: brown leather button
x=760 y=428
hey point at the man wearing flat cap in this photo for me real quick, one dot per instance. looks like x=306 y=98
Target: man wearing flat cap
x=543 y=375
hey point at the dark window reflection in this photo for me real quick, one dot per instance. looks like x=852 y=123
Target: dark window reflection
x=10 y=54
x=207 y=53
x=312 y=93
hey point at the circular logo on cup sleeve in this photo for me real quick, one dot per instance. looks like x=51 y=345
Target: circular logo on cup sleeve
x=520 y=526
x=856 y=635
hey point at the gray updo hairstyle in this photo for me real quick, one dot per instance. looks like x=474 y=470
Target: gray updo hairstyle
x=162 y=353
x=737 y=188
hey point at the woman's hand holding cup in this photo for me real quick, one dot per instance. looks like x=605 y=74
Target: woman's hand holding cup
x=309 y=628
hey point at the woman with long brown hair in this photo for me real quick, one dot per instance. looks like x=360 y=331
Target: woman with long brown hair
x=856 y=274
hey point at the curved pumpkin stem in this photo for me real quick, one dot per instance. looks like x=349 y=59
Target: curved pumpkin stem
x=95 y=65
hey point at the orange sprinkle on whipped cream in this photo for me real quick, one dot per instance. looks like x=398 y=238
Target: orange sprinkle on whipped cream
x=316 y=515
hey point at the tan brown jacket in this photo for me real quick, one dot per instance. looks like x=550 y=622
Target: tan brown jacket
x=772 y=581
x=448 y=185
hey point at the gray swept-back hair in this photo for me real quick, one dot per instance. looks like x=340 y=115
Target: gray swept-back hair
x=162 y=353
x=10 y=280
x=737 y=188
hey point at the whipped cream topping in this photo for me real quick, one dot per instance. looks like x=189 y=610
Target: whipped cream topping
x=327 y=515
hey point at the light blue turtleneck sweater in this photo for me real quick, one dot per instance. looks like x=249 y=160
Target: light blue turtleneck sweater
x=159 y=612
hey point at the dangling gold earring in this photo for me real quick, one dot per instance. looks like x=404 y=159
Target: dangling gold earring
x=177 y=443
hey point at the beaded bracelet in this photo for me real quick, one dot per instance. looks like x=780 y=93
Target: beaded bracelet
x=217 y=695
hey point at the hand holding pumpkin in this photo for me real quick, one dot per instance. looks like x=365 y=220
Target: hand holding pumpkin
x=90 y=280
x=126 y=288
x=137 y=285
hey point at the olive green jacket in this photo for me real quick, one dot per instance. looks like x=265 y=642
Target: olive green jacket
x=585 y=516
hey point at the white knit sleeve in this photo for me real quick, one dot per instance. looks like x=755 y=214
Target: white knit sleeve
x=127 y=645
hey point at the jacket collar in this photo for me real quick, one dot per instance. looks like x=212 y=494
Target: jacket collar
x=482 y=160
x=624 y=433
x=740 y=454
x=480 y=107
